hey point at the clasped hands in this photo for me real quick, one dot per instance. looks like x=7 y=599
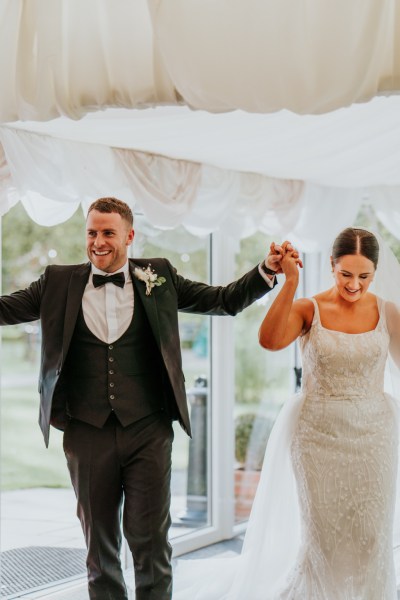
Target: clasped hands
x=283 y=258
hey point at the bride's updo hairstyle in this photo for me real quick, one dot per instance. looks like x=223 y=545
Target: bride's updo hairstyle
x=356 y=241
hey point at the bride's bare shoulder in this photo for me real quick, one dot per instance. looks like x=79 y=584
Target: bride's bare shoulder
x=304 y=305
x=305 y=308
x=392 y=313
x=392 y=307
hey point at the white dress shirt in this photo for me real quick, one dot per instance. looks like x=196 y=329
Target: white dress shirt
x=270 y=281
x=108 y=309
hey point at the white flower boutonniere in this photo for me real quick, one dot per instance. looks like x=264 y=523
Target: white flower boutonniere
x=149 y=277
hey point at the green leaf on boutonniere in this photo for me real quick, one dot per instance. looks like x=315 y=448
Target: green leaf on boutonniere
x=160 y=281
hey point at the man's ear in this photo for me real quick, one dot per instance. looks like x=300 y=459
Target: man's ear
x=131 y=235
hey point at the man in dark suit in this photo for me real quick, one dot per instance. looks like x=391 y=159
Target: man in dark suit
x=111 y=378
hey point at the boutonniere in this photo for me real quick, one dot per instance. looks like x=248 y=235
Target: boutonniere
x=149 y=277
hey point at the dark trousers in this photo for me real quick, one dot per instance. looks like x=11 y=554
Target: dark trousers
x=131 y=467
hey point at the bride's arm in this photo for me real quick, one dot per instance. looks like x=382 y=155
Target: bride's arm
x=286 y=319
x=393 y=325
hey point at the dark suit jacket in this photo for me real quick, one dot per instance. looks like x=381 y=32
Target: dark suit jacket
x=55 y=298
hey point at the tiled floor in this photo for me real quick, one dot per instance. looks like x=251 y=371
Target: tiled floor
x=39 y=517
x=46 y=517
x=50 y=524
x=78 y=591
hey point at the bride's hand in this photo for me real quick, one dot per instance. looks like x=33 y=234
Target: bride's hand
x=290 y=264
x=277 y=252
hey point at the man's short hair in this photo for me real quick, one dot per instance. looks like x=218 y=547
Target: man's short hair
x=113 y=205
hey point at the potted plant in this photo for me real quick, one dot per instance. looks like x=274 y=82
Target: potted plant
x=251 y=436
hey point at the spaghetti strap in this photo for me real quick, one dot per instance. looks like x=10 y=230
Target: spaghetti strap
x=316 y=317
x=382 y=313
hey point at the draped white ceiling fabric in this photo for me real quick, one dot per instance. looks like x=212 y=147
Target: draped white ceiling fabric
x=283 y=174
x=296 y=120
x=70 y=57
x=224 y=54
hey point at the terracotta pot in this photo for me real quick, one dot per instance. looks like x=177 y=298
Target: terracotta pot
x=246 y=483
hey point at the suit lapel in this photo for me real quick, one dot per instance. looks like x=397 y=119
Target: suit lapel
x=76 y=288
x=149 y=302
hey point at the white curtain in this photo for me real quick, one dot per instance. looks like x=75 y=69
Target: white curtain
x=68 y=57
x=53 y=176
x=352 y=147
x=8 y=194
x=387 y=209
x=164 y=188
x=309 y=56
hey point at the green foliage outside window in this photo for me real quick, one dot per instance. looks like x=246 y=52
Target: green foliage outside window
x=27 y=248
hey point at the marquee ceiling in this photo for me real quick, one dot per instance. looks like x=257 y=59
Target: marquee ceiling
x=293 y=102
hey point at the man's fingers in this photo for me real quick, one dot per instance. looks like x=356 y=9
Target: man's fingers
x=289 y=248
x=276 y=249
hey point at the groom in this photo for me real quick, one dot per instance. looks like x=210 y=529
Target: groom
x=111 y=378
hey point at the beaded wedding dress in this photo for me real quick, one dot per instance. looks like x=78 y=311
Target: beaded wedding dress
x=321 y=527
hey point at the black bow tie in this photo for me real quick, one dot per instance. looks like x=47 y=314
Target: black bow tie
x=117 y=279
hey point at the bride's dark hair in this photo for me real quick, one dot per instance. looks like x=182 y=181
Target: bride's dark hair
x=356 y=241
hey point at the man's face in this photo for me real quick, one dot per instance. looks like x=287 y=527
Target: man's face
x=108 y=236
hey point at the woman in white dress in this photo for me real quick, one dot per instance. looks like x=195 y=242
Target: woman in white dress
x=321 y=527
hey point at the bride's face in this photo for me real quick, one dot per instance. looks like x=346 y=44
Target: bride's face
x=353 y=275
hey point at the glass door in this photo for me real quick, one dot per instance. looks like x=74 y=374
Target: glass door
x=263 y=382
x=190 y=255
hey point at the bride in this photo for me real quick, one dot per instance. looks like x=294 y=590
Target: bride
x=321 y=526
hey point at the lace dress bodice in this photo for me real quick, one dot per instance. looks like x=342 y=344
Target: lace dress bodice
x=344 y=364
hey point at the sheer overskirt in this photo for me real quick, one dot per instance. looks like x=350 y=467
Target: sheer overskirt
x=273 y=534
